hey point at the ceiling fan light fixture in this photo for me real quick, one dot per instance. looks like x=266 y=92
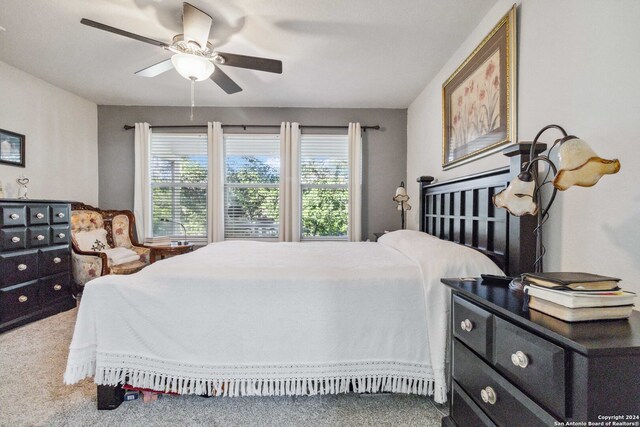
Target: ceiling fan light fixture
x=192 y=67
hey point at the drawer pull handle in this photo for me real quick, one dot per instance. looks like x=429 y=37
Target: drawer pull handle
x=39 y=215
x=57 y=260
x=14 y=216
x=22 y=267
x=39 y=237
x=466 y=325
x=60 y=215
x=15 y=239
x=520 y=359
x=23 y=298
x=61 y=235
x=57 y=287
x=488 y=395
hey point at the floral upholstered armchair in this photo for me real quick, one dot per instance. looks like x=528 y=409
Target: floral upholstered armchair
x=95 y=236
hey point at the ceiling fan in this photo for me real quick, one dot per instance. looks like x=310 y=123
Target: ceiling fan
x=194 y=57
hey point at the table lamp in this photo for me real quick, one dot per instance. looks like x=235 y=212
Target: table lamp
x=578 y=165
x=179 y=242
x=402 y=199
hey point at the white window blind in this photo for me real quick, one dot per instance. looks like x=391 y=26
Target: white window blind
x=178 y=178
x=324 y=178
x=252 y=186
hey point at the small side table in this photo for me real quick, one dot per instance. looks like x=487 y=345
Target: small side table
x=162 y=252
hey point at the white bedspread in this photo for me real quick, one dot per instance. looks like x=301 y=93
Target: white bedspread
x=250 y=318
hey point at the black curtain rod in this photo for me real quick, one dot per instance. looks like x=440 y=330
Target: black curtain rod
x=364 y=128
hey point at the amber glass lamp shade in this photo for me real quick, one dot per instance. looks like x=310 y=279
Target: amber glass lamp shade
x=518 y=198
x=580 y=165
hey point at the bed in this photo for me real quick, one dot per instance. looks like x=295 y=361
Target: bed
x=244 y=318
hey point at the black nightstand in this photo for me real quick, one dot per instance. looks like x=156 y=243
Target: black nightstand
x=515 y=366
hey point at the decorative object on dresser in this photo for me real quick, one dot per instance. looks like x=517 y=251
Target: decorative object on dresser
x=23 y=181
x=513 y=366
x=111 y=229
x=402 y=199
x=579 y=165
x=34 y=261
x=12 y=148
x=479 y=99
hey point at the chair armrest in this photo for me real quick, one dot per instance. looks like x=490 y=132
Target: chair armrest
x=101 y=255
x=139 y=245
x=143 y=251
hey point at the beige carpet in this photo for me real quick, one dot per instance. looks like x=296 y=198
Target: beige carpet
x=32 y=360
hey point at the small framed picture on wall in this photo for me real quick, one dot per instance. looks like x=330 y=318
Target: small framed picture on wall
x=12 y=148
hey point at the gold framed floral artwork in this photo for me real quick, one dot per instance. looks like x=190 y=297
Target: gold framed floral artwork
x=479 y=99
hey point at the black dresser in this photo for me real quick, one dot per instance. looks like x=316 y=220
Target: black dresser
x=514 y=366
x=35 y=260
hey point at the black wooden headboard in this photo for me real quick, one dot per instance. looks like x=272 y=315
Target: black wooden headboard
x=461 y=210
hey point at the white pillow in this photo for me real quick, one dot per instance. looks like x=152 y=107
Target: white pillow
x=94 y=240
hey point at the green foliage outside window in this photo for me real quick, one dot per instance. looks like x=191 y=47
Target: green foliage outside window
x=185 y=203
x=324 y=210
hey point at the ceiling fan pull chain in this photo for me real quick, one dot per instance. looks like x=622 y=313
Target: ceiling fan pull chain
x=193 y=102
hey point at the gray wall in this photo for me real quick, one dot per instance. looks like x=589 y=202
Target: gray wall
x=384 y=151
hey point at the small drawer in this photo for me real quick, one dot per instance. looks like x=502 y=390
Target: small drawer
x=496 y=396
x=53 y=260
x=38 y=236
x=59 y=214
x=60 y=234
x=464 y=410
x=54 y=288
x=18 y=267
x=532 y=363
x=13 y=238
x=18 y=300
x=13 y=215
x=38 y=214
x=473 y=326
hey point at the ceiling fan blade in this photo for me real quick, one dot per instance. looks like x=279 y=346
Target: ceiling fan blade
x=156 y=69
x=252 y=62
x=118 y=31
x=196 y=24
x=225 y=82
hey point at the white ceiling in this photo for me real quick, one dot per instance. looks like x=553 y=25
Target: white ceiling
x=335 y=53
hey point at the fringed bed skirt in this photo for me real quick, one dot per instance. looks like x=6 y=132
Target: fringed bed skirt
x=414 y=380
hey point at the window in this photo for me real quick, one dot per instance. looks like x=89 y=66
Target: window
x=252 y=186
x=324 y=179
x=178 y=180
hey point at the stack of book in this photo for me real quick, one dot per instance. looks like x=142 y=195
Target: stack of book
x=157 y=241
x=576 y=297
